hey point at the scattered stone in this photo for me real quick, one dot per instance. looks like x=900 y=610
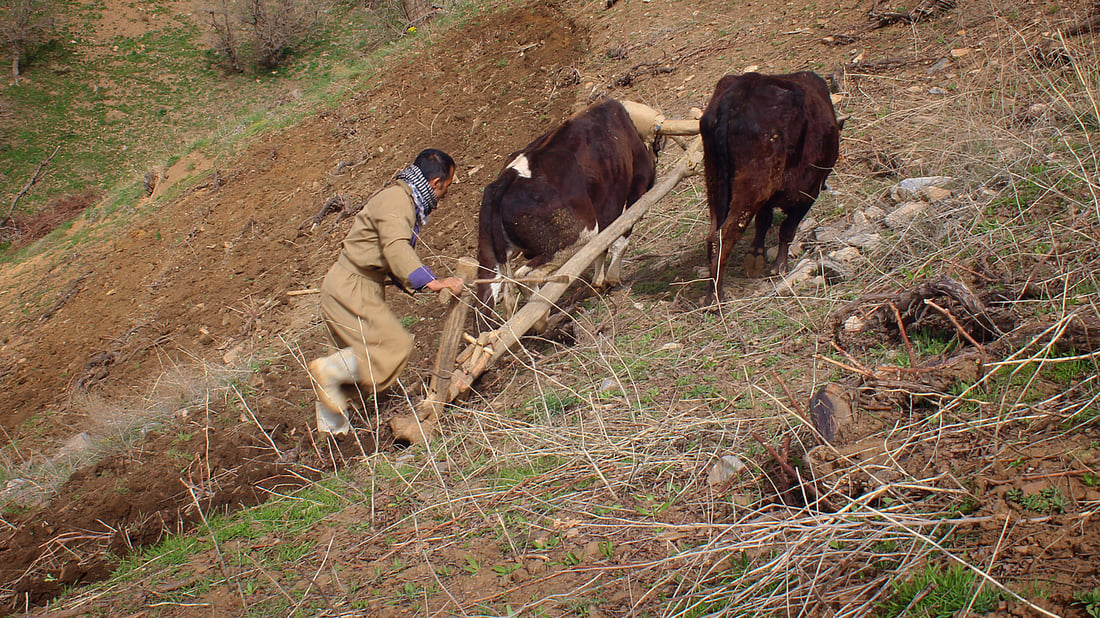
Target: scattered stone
x=608 y=384
x=76 y=444
x=912 y=189
x=802 y=272
x=861 y=224
x=854 y=324
x=866 y=242
x=847 y=254
x=940 y=65
x=833 y=271
x=936 y=194
x=904 y=215
x=831 y=413
x=936 y=90
x=724 y=469
x=1036 y=111
x=874 y=213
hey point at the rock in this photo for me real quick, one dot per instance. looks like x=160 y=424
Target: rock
x=833 y=270
x=936 y=90
x=904 y=215
x=76 y=444
x=940 y=65
x=803 y=271
x=867 y=241
x=936 y=194
x=854 y=324
x=608 y=384
x=847 y=254
x=860 y=224
x=831 y=413
x=874 y=213
x=724 y=469
x=912 y=189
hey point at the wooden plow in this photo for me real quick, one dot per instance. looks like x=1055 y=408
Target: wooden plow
x=455 y=372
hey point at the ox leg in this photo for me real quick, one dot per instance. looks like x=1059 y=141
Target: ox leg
x=599 y=270
x=615 y=263
x=787 y=230
x=757 y=258
x=726 y=237
x=511 y=292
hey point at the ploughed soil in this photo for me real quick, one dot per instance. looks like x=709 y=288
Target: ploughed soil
x=176 y=341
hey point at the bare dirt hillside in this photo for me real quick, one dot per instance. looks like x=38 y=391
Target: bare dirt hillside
x=168 y=352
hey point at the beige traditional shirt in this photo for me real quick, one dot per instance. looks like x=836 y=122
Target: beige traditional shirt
x=380 y=242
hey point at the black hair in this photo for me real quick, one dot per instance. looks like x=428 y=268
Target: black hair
x=434 y=164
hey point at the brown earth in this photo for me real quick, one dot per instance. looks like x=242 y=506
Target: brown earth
x=194 y=294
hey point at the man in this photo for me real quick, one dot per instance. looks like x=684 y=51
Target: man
x=379 y=245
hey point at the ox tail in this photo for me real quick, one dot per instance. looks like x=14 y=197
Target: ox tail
x=719 y=172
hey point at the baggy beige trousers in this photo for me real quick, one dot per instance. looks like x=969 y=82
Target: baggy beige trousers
x=355 y=311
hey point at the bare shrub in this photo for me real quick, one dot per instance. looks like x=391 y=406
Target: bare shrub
x=225 y=37
x=261 y=32
x=24 y=25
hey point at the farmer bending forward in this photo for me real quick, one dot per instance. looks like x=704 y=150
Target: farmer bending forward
x=379 y=245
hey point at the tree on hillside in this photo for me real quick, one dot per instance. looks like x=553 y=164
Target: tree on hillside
x=24 y=24
x=264 y=31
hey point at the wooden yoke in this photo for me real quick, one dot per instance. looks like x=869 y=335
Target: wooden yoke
x=415 y=429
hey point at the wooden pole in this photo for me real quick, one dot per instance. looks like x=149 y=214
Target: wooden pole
x=679 y=127
x=478 y=357
x=416 y=429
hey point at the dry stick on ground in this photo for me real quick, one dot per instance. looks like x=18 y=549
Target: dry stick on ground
x=904 y=335
x=982 y=359
x=791 y=473
x=35 y=177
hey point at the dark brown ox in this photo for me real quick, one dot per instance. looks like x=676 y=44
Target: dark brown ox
x=557 y=193
x=769 y=141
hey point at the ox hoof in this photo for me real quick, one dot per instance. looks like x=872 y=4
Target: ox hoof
x=755 y=264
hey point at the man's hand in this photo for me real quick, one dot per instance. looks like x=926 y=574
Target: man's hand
x=454 y=284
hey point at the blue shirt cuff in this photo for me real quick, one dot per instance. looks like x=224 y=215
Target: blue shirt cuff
x=421 y=277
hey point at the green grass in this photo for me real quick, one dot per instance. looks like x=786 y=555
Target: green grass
x=117 y=107
x=937 y=592
x=1088 y=600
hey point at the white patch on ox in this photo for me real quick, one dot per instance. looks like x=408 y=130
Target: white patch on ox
x=496 y=286
x=522 y=166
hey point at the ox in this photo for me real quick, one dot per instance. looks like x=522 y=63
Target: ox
x=769 y=141
x=558 y=192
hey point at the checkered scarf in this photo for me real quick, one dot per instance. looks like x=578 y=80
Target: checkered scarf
x=423 y=194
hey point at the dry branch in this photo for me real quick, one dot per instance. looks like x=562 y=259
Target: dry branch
x=925 y=11
x=35 y=177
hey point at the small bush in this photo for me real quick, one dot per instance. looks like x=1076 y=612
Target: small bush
x=261 y=32
x=24 y=26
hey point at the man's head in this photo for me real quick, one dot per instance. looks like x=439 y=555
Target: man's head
x=438 y=168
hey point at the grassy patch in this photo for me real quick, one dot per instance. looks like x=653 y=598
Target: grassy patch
x=938 y=592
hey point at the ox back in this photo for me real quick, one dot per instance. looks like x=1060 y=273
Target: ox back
x=769 y=141
x=558 y=192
